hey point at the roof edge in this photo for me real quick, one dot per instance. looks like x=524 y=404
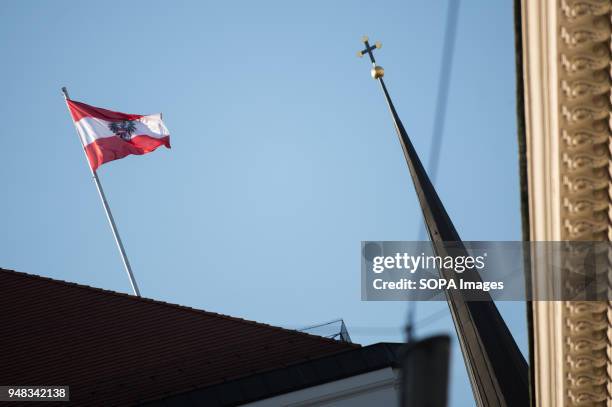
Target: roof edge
x=374 y=357
x=171 y=305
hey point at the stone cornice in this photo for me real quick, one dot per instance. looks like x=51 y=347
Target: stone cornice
x=566 y=54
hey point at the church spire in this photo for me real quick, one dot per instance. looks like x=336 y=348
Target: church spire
x=497 y=369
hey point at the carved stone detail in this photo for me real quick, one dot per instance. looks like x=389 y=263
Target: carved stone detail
x=582 y=88
x=584 y=207
x=575 y=10
x=576 y=64
x=575 y=139
x=584 y=113
x=566 y=75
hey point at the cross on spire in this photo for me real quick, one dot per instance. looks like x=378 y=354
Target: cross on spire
x=369 y=48
x=377 y=72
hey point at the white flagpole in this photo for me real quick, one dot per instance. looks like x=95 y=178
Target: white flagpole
x=109 y=215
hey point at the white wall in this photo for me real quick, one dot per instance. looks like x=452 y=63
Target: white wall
x=377 y=388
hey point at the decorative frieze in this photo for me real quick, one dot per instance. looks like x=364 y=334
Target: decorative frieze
x=567 y=56
x=584 y=106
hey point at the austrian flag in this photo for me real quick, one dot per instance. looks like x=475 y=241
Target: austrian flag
x=108 y=135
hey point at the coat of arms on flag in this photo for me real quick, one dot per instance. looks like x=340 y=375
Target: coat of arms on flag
x=123 y=129
x=109 y=135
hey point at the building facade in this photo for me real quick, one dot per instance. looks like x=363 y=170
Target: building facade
x=565 y=51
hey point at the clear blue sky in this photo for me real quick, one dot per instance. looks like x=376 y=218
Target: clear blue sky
x=284 y=157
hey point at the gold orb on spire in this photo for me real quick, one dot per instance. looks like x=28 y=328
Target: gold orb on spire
x=377 y=72
x=365 y=38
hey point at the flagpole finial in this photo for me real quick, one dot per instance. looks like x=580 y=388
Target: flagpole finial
x=65 y=93
x=377 y=72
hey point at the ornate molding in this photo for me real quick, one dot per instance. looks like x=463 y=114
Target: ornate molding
x=580 y=9
x=584 y=103
x=567 y=57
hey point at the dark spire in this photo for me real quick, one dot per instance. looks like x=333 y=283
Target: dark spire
x=497 y=369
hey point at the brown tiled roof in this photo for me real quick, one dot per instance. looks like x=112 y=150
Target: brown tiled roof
x=117 y=349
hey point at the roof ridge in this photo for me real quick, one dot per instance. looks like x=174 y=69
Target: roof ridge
x=171 y=305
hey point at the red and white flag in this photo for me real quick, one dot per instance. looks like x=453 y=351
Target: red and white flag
x=108 y=135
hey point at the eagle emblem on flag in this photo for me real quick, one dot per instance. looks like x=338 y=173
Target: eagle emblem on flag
x=123 y=129
x=108 y=135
